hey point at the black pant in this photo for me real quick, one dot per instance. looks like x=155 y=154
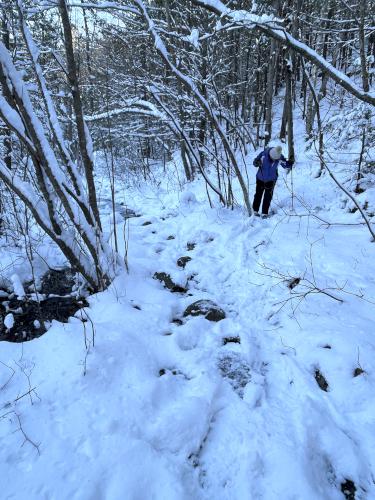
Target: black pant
x=265 y=188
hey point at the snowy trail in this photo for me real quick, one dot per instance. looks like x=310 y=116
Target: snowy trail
x=282 y=452
x=175 y=411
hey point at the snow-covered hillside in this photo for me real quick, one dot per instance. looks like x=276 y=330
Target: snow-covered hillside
x=276 y=401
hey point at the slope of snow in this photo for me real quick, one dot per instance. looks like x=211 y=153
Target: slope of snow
x=166 y=411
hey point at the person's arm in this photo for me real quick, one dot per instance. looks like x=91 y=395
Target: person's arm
x=286 y=163
x=258 y=160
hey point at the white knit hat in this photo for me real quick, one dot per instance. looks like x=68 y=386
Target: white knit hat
x=276 y=152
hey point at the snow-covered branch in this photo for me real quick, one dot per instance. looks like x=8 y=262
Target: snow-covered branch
x=104 y=6
x=271 y=27
x=138 y=106
x=206 y=106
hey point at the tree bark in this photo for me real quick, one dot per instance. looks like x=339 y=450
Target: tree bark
x=269 y=92
x=362 y=47
x=84 y=139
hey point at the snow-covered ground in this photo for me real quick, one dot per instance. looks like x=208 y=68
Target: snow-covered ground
x=205 y=410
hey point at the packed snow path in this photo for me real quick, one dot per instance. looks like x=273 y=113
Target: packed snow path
x=204 y=410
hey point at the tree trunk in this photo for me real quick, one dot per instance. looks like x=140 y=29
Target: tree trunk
x=84 y=138
x=362 y=48
x=289 y=110
x=269 y=92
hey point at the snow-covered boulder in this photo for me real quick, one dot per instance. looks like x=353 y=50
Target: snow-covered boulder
x=206 y=308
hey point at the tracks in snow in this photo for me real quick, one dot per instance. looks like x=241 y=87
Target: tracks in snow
x=277 y=440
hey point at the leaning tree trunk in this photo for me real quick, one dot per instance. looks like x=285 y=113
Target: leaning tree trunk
x=51 y=189
x=84 y=138
x=269 y=92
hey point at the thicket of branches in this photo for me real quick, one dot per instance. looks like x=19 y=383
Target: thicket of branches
x=139 y=80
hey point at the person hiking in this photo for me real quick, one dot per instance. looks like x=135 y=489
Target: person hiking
x=267 y=162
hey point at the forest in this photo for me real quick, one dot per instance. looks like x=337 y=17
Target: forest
x=187 y=238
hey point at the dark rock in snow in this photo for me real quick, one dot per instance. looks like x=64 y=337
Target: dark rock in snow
x=147 y=223
x=30 y=317
x=293 y=283
x=348 y=489
x=190 y=246
x=173 y=371
x=206 y=308
x=171 y=237
x=234 y=368
x=168 y=283
x=57 y=282
x=182 y=261
x=231 y=340
x=358 y=371
x=321 y=381
x=177 y=321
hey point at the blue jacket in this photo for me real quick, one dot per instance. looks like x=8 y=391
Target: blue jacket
x=268 y=169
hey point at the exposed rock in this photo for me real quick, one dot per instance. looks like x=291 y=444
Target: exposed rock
x=171 y=237
x=348 y=489
x=231 y=340
x=190 y=246
x=358 y=371
x=168 y=282
x=234 y=368
x=206 y=308
x=177 y=321
x=182 y=261
x=57 y=282
x=147 y=223
x=164 y=371
x=30 y=317
x=293 y=283
x=321 y=381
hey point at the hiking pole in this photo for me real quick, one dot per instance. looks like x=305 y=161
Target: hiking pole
x=292 y=188
x=290 y=171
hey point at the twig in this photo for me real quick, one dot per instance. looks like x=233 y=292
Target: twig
x=10 y=378
x=27 y=439
x=11 y=403
x=28 y=375
x=288 y=346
